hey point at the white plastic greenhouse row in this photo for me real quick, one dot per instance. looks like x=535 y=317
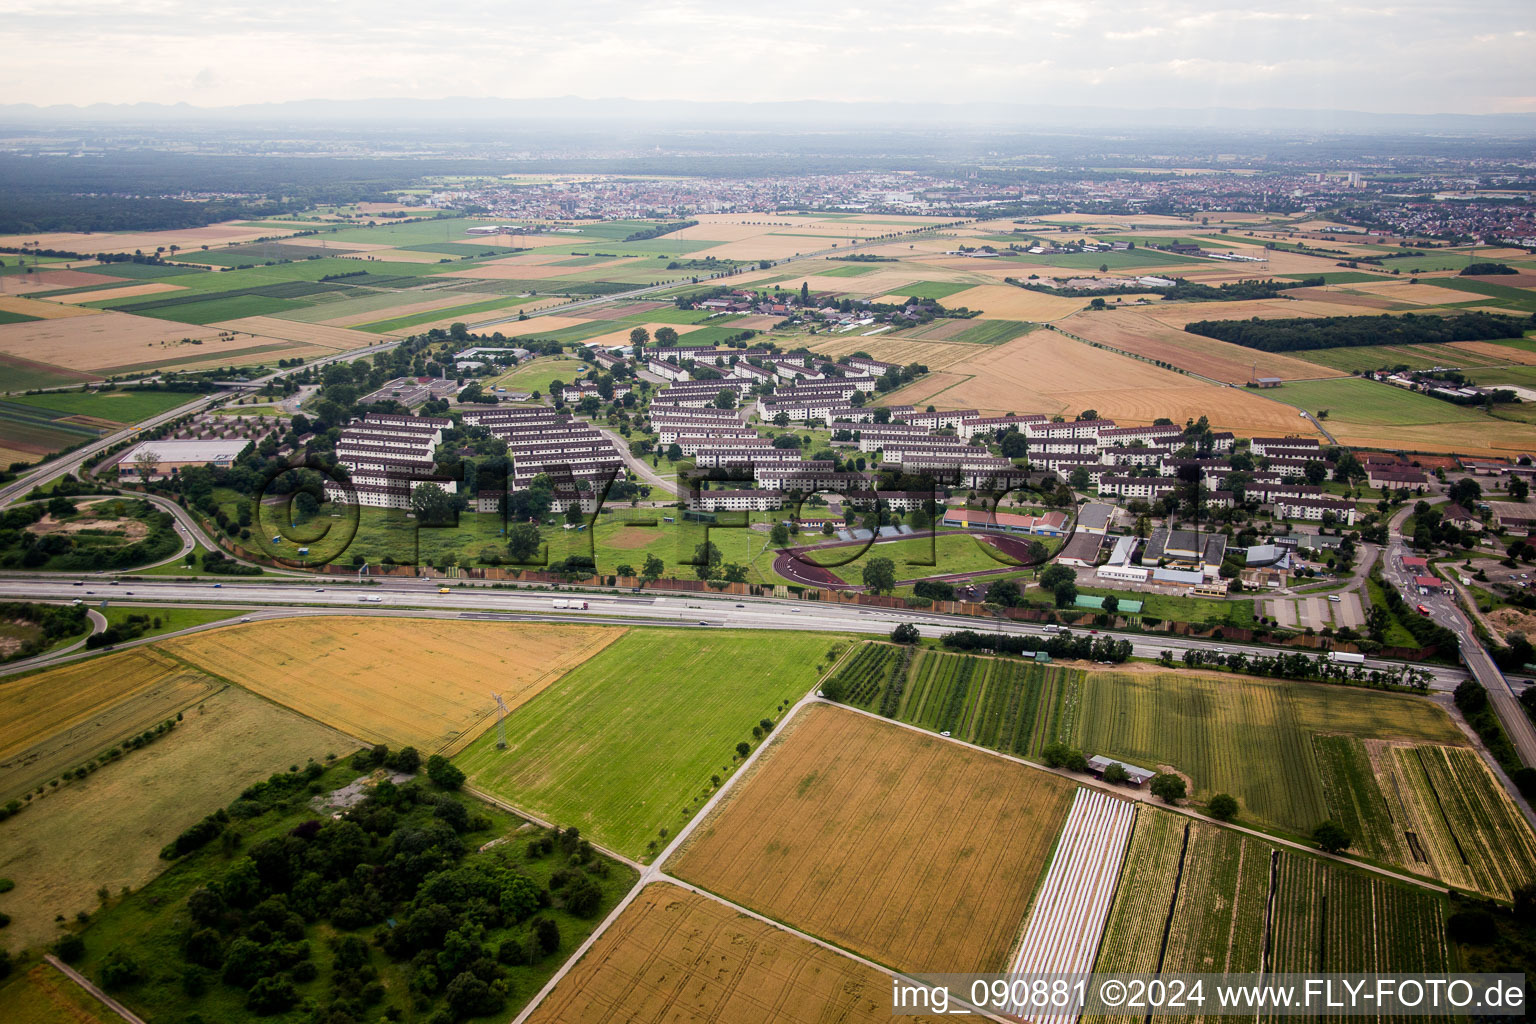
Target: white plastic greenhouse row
x=1064 y=929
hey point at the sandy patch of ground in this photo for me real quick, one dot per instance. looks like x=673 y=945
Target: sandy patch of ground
x=133 y=529
x=1513 y=620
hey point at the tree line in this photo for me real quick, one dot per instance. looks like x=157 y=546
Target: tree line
x=1296 y=334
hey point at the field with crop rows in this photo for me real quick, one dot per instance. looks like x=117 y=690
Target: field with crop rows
x=1329 y=918
x=1133 y=934
x=1354 y=799
x=1490 y=835
x=1218 y=921
x=1248 y=737
x=848 y=829
x=56 y=719
x=674 y=955
x=1068 y=917
x=1001 y=703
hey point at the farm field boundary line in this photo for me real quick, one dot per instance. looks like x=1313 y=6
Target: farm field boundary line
x=1146 y=797
x=655 y=872
x=95 y=993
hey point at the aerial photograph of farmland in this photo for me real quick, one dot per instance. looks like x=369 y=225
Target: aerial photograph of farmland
x=710 y=514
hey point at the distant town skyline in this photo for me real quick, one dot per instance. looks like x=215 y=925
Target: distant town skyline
x=1406 y=56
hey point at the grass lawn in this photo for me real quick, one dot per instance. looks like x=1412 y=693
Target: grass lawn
x=624 y=746
x=1184 y=609
x=536 y=375
x=118 y=406
x=942 y=555
x=171 y=619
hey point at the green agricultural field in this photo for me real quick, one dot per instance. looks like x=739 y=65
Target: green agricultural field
x=1114 y=260
x=670 y=315
x=993 y=332
x=28 y=428
x=446 y=229
x=1001 y=703
x=707 y=336
x=935 y=290
x=1501 y=294
x=1521 y=376
x=1415 y=357
x=1355 y=401
x=1209 y=889
x=145 y=271
x=851 y=270
x=1423 y=261
x=1335 y=277
x=117 y=406
x=1247 y=737
x=7 y=317
x=624 y=745
x=467 y=311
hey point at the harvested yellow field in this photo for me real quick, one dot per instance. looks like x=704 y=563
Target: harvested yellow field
x=120 y=292
x=90 y=339
x=1157 y=333
x=1047 y=372
x=41 y=309
x=11 y=456
x=847 y=829
x=933 y=354
x=1005 y=302
x=323 y=335
x=420 y=682
x=1505 y=353
x=127 y=241
x=683 y=958
x=1417 y=294
x=38 y=706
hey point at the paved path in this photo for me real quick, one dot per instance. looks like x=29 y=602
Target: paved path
x=85 y=983
x=644 y=470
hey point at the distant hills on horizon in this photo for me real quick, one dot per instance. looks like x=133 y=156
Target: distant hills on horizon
x=807 y=115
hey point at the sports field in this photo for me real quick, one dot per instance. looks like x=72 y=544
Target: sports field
x=624 y=746
x=420 y=682
x=113 y=822
x=939 y=555
x=848 y=829
x=674 y=955
x=1367 y=413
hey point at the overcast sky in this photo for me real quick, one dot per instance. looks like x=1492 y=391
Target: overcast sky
x=1391 y=56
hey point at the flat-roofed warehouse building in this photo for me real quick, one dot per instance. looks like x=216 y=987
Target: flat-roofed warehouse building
x=172 y=456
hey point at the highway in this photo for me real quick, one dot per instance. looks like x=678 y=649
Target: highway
x=1444 y=610
x=72 y=461
x=313 y=594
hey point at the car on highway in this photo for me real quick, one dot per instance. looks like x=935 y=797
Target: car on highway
x=216 y=586
x=442 y=590
x=741 y=606
x=703 y=623
x=1335 y=598
x=81 y=583
x=319 y=590
x=114 y=583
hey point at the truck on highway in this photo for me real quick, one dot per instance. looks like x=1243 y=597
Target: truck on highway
x=572 y=604
x=1345 y=658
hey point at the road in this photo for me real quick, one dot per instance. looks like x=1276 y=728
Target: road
x=72 y=461
x=406 y=597
x=1444 y=610
x=644 y=470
